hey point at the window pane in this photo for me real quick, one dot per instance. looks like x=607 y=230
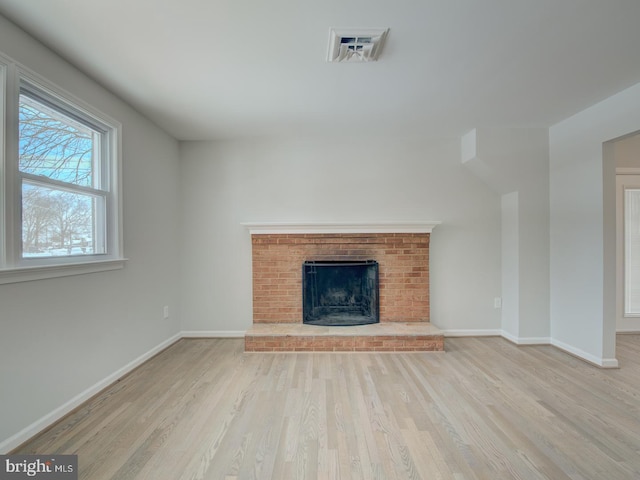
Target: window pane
x=55 y=145
x=57 y=223
x=632 y=251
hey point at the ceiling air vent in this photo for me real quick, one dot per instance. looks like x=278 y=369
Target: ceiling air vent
x=356 y=45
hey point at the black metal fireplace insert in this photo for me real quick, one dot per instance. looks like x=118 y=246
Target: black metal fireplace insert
x=340 y=293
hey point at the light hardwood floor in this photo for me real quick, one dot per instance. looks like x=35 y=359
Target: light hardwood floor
x=485 y=409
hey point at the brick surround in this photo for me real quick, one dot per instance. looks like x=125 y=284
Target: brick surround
x=403 y=262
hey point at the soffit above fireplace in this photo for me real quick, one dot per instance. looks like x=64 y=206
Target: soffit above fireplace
x=269 y=228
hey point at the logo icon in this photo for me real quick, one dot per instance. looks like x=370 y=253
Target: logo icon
x=40 y=467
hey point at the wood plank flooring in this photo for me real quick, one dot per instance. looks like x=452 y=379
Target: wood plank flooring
x=484 y=409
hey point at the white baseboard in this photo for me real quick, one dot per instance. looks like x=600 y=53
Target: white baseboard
x=526 y=340
x=497 y=333
x=213 y=334
x=598 y=361
x=628 y=331
x=587 y=357
x=470 y=333
x=52 y=417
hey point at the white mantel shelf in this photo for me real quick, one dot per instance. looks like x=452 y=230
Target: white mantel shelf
x=267 y=228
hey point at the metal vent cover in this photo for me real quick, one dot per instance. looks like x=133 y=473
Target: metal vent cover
x=356 y=45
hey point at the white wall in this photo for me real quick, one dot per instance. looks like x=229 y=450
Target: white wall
x=582 y=172
x=62 y=337
x=510 y=319
x=516 y=161
x=341 y=180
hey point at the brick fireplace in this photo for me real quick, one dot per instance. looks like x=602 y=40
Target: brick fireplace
x=402 y=253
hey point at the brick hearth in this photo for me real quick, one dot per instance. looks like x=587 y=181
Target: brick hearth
x=381 y=337
x=403 y=259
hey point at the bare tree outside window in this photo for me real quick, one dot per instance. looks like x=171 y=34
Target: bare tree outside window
x=60 y=171
x=56 y=160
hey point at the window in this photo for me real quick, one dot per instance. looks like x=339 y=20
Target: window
x=60 y=196
x=631 y=251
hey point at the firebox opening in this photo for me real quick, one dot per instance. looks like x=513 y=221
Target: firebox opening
x=340 y=293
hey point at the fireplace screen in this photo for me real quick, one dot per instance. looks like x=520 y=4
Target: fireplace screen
x=340 y=293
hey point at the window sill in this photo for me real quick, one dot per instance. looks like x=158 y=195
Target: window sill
x=27 y=274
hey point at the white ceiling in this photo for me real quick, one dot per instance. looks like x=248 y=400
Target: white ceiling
x=208 y=69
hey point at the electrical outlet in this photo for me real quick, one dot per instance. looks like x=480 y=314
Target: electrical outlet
x=497 y=302
x=165 y=311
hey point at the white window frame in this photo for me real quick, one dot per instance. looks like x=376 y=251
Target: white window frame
x=13 y=267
